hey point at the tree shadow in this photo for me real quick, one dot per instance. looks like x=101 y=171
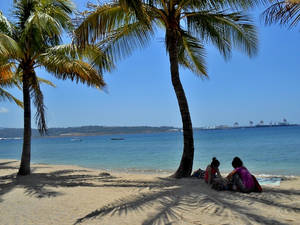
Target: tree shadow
x=290 y=192
x=39 y=184
x=163 y=200
x=242 y=210
x=173 y=198
x=4 y=165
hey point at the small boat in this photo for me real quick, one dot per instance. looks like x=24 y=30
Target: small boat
x=117 y=139
x=76 y=139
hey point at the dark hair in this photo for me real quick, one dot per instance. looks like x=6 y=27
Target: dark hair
x=237 y=162
x=215 y=163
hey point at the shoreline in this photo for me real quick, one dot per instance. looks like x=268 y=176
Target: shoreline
x=64 y=194
x=154 y=172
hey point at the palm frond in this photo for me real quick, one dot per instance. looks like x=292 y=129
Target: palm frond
x=5 y=26
x=6 y=71
x=9 y=48
x=39 y=29
x=4 y=95
x=224 y=30
x=137 y=7
x=192 y=54
x=121 y=42
x=41 y=80
x=90 y=53
x=60 y=10
x=70 y=65
x=103 y=19
x=195 y=5
x=38 y=100
x=283 y=12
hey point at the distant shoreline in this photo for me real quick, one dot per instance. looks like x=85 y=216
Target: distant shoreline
x=242 y=127
x=17 y=133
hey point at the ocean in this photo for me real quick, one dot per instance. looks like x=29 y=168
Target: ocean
x=266 y=151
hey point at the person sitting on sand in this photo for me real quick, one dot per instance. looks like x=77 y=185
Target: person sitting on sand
x=212 y=171
x=240 y=178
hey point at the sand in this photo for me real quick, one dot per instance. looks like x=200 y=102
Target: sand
x=57 y=194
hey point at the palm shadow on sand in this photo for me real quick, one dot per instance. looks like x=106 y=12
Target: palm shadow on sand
x=40 y=184
x=165 y=200
x=177 y=197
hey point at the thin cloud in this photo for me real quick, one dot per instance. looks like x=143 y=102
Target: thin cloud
x=3 y=110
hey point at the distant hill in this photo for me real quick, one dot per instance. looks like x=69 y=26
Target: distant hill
x=87 y=130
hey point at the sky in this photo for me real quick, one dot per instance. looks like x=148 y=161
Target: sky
x=139 y=91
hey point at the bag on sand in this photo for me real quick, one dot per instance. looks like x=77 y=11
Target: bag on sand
x=199 y=174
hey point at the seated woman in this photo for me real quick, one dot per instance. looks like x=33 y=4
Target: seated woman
x=212 y=171
x=240 y=178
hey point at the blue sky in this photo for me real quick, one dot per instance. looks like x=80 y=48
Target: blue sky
x=139 y=90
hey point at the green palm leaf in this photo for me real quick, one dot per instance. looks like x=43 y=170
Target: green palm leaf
x=283 y=12
x=224 y=30
x=67 y=62
x=38 y=100
x=5 y=26
x=192 y=54
x=4 y=95
x=9 y=48
x=124 y=40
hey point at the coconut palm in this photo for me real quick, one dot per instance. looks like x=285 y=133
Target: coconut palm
x=33 y=39
x=283 y=12
x=188 y=26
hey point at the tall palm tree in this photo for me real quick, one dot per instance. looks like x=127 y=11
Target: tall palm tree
x=188 y=25
x=283 y=12
x=33 y=39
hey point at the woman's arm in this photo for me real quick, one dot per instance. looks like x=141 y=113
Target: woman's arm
x=229 y=176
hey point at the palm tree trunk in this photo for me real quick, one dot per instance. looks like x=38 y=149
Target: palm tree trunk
x=25 y=160
x=186 y=164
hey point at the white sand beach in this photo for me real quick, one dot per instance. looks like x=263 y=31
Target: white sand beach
x=57 y=194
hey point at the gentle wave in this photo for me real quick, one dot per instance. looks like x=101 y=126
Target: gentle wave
x=263 y=179
x=14 y=138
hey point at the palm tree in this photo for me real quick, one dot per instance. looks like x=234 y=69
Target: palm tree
x=283 y=12
x=188 y=25
x=33 y=39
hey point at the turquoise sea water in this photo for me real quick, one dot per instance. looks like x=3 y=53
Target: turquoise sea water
x=273 y=151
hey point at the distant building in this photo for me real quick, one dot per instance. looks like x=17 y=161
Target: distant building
x=221 y=127
x=284 y=122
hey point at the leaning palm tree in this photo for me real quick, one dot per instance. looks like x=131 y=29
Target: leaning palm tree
x=188 y=26
x=283 y=12
x=33 y=39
